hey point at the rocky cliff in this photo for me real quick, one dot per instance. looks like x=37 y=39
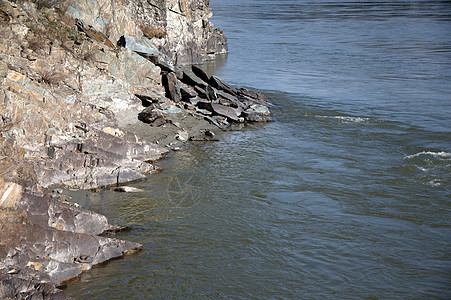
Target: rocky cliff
x=91 y=93
x=179 y=28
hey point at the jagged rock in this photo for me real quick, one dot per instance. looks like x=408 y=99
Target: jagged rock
x=201 y=92
x=192 y=79
x=190 y=37
x=211 y=94
x=225 y=111
x=228 y=99
x=219 y=83
x=217 y=43
x=187 y=92
x=219 y=109
x=204 y=111
x=248 y=101
x=172 y=86
x=12 y=287
x=200 y=73
x=147 y=49
x=195 y=100
x=62 y=102
x=254 y=95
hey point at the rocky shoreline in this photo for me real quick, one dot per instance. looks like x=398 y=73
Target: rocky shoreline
x=81 y=83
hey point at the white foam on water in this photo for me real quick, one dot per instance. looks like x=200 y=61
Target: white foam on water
x=348 y=119
x=422 y=169
x=352 y=119
x=434 y=183
x=442 y=154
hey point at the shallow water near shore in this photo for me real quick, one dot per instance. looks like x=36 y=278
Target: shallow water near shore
x=346 y=195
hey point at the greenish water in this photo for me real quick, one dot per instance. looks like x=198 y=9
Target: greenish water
x=345 y=196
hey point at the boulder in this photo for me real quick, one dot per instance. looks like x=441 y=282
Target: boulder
x=257 y=113
x=225 y=111
x=152 y=116
x=172 y=87
x=217 y=43
x=219 y=109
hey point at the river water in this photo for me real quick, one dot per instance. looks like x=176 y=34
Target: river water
x=345 y=196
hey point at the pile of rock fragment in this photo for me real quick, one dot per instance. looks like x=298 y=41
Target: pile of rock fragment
x=209 y=97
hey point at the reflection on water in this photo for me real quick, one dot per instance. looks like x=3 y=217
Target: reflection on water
x=345 y=196
x=216 y=66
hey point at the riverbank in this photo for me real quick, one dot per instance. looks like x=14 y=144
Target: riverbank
x=75 y=93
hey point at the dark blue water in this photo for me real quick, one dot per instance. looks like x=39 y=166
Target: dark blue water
x=346 y=196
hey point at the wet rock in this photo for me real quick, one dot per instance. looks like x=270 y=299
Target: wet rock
x=12 y=287
x=257 y=113
x=248 y=101
x=206 y=136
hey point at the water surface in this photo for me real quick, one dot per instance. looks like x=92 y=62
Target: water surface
x=346 y=195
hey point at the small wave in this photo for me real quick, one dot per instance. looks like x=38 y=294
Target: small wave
x=422 y=169
x=352 y=119
x=442 y=154
x=349 y=119
x=434 y=183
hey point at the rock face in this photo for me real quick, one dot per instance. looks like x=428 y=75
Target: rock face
x=76 y=79
x=179 y=28
x=48 y=243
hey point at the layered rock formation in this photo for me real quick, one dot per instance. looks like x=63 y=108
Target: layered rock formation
x=81 y=83
x=179 y=28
